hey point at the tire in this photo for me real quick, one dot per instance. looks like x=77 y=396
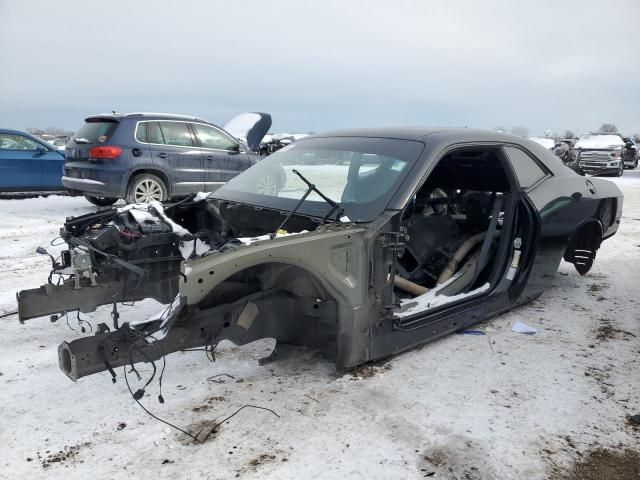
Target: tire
x=635 y=164
x=145 y=188
x=101 y=201
x=620 y=170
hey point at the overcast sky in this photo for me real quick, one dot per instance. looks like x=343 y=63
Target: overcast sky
x=321 y=65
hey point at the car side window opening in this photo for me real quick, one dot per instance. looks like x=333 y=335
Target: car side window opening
x=154 y=135
x=454 y=224
x=141 y=132
x=213 y=138
x=176 y=133
x=526 y=168
x=17 y=142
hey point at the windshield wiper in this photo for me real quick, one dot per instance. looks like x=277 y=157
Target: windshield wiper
x=335 y=206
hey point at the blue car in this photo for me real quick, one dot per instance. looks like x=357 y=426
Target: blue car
x=28 y=164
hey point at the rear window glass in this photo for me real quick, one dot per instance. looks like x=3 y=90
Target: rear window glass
x=96 y=131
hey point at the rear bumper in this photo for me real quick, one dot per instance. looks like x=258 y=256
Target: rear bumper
x=92 y=181
x=93 y=188
x=80 y=183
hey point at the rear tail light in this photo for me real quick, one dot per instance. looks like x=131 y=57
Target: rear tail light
x=109 y=152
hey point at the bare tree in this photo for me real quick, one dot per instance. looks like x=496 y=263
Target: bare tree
x=636 y=137
x=569 y=134
x=50 y=131
x=608 y=128
x=519 y=131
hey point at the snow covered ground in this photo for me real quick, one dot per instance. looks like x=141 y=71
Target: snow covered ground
x=503 y=405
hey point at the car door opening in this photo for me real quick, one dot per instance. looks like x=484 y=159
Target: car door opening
x=454 y=223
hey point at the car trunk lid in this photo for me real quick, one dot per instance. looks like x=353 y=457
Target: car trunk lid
x=96 y=131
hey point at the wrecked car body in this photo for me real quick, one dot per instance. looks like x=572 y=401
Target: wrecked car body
x=379 y=241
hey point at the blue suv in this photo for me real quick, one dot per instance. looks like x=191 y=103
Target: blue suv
x=142 y=157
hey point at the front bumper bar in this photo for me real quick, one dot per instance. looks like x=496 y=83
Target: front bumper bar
x=266 y=314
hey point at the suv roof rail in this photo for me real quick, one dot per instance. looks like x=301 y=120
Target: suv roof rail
x=157 y=114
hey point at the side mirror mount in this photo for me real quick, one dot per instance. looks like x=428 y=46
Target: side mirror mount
x=234 y=148
x=41 y=150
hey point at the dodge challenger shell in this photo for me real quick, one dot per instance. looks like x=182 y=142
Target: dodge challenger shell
x=376 y=241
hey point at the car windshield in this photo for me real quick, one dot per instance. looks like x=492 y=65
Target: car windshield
x=361 y=174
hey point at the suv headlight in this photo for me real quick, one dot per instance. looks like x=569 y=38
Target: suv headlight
x=616 y=154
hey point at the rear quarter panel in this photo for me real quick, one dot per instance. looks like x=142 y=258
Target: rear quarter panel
x=561 y=214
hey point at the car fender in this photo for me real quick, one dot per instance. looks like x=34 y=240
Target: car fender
x=336 y=258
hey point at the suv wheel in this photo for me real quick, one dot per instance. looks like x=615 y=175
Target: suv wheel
x=146 y=188
x=101 y=201
x=620 y=170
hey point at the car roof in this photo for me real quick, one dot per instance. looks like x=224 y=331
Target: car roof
x=16 y=132
x=149 y=115
x=20 y=132
x=419 y=133
x=452 y=135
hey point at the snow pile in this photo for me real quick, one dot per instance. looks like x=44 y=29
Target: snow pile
x=433 y=299
x=599 y=141
x=166 y=314
x=548 y=143
x=141 y=213
x=200 y=196
x=141 y=210
x=250 y=240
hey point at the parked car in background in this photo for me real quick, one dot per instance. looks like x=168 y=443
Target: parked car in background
x=564 y=150
x=601 y=153
x=630 y=156
x=28 y=164
x=58 y=141
x=141 y=157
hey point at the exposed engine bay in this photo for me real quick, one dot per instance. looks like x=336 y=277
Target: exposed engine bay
x=134 y=252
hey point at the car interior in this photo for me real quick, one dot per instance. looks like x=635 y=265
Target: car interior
x=454 y=223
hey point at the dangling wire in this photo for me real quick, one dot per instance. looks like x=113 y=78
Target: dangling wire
x=66 y=317
x=81 y=323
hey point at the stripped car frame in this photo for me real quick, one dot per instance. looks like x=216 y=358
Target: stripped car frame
x=356 y=286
